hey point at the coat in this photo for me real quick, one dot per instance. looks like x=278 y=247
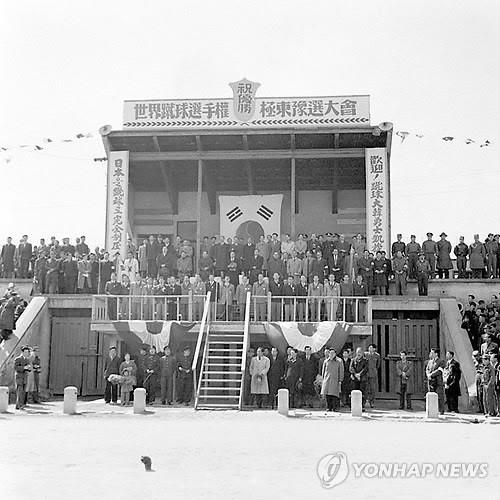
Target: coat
x=443 y=256
x=20 y=363
x=310 y=372
x=7 y=310
x=276 y=372
x=258 y=371
x=111 y=366
x=477 y=255
x=332 y=374
x=451 y=376
x=405 y=368
x=434 y=373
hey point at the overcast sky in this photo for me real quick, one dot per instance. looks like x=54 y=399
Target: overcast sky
x=431 y=67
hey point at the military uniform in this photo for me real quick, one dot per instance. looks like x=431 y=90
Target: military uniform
x=22 y=367
x=423 y=272
x=400 y=268
x=491 y=247
x=184 y=379
x=379 y=276
x=372 y=381
x=365 y=270
x=461 y=251
x=430 y=249
x=167 y=370
x=413 y=250
x=398 y=246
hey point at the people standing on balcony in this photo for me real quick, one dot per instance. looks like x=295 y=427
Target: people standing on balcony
x=40 y=273
x=83 y=281
x=276 y=291
x=302 y=291
x=359 y=290
x=221 y=256
x=260 y=290
x=443 y=257
x=52 y=277
x=184 y=265
x=256 y=266
x=358 y=247
x=300 y=246
x=492 y=247
x=331 y=290
x=423 y=271
x=142 y=258
x=294 y=267
x=241 y=296
x=152 y=252
x=205 y=265
x=213 y=287
x=233 y=269
x=287 y=245
x=413 y=250
x=173 y=290
x=81 y=247
x=400 y=269
x=24 y=253
x=106 y=269
x=320 y=267
x=275 y=245
x=404 y=371
x=461 y=252
x=289 y=290
x=430 y=250
x=344 y=248
x=365 y=270
x=124 y=313
x=199 y=293
x=307 y=266
x=186 y=291
x=263 y=248
x=227 y=292
x=379 y=274
x=315 y=293
x=477 y=258
x=235 y=246
x=276 y=266
x=388 y=270
x=398 y=245
x=131 y=266
x=113 y=288
x=7 y=259
x=336 y=264
x=248 y=254
x=346 y=291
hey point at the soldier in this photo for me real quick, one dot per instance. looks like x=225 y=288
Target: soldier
x=373 y=359
x=461 y=251
x=443 y=257
x=477 y=252
x=488 y=386
x=491 y=247
x=151 y=375
x=167 y=370
x=434 y=372
x=40 y=272
x=111 y=367
x=404 y=370
x=398 y=246
x=413 y=250
x=400 y=268
x=275 y=375
x=69 y=268
x=423 y=272
x=430 y=250
x=359 y=373
x=185 y=377
x=52 y=277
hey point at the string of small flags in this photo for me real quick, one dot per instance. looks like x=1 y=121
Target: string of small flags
x=43 y=145
x=403 y=135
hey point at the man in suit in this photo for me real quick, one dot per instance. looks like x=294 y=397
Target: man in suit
x=359 y=373
x=404 y=370
x=25 y=252
x=293 y=377
x=373 y=358
x=275 y=375
x=151 y=375
x=213 y=287
x=111 y=367
x=310 y=371
x=167 y=370
x=276 y=289
x=7 y=259
x=22 y=367
x=451 y=377
x=434 y=372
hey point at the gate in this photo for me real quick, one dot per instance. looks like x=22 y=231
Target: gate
x=76 y=356
x=416 y=337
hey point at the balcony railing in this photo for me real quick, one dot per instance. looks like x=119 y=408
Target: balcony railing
x=262 y=308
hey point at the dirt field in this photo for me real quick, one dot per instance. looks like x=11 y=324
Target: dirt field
x=232 y=455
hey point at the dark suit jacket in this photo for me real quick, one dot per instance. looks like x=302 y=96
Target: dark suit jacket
x=25 y=251
x=21 y=374
x=111 y=366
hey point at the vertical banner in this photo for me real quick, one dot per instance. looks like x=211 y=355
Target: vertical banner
x=250 y=215
x=377 y=200
x=117 y=203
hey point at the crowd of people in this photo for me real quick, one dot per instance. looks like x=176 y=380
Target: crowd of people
x=75 y=268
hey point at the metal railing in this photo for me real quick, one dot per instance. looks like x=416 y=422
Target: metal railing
x=246 y=342
x=147 y=307
x=352 y=309
x=205 y=321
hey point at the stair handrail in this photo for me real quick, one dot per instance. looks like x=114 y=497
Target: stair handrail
x=203 y=360
x=246 y=338
x=204 y=321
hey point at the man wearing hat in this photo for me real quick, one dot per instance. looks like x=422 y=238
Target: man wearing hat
x=413 y=249
x=423 y=273
x=443 y=257
x=430 y=250
x=22 y=368
x=477 y=255
x=461 y=251
x=491 y=246
x=184 y=389
x=398 y=246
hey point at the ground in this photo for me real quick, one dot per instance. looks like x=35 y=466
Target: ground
x=234 y=455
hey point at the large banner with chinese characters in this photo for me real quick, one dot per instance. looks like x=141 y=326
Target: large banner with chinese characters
x=377 y=200
x=117 y=203
x=247 y=110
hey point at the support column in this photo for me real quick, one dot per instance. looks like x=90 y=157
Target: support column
x=198 y=213
x=293 y=196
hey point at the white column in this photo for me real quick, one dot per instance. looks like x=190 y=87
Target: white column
x=139 y=400
x=356 y=403
x=431 y=405
x=283 y=402
x=4 y=399
x=70 y=395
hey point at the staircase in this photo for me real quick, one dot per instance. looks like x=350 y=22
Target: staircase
x=221 y=380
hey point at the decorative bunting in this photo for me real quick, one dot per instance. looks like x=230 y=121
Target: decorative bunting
x=447 y=138
x=403 y=135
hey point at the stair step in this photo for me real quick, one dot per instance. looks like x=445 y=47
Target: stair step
x=219 y=342
x=221 y=380
x=223 y=357
x=201 y=396
x=218 y=372
x=208 y=388
x=226 y=349
x=215 y=406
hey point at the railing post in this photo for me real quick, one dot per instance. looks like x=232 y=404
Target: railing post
x=369 y=310
x=269 y=317
x=190 y=306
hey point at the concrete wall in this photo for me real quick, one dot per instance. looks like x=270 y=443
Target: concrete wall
x=315 y=212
